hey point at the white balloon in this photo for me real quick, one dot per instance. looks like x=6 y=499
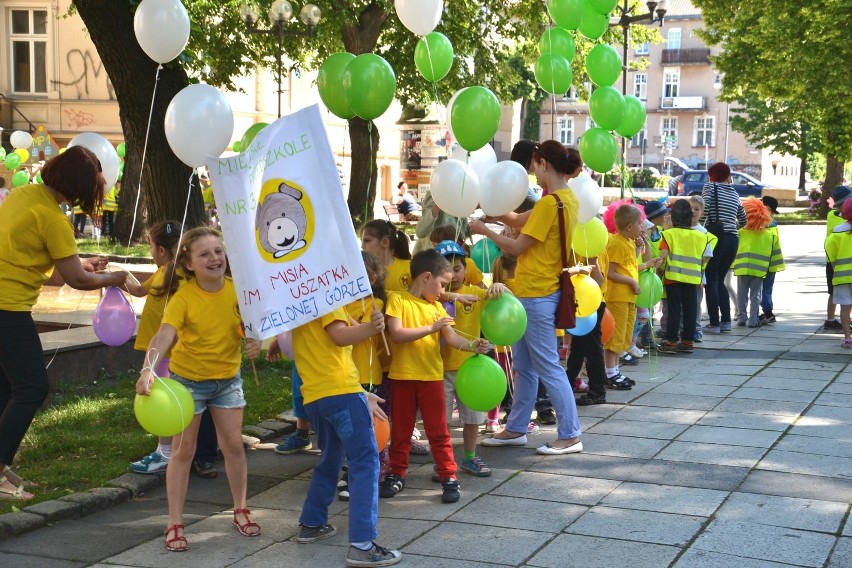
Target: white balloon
x=419 y=16
x=480 y=160
x=199 y=122
x=105 y=152
x=162 y=28
x=589 y=195
x=21 y=139
x=503 y=188
x=455 y=188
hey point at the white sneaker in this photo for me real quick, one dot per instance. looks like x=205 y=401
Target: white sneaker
x=636 y=352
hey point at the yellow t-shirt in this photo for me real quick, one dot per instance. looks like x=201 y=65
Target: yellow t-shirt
x=366 y=354
x=417 y=360
x=152 y=313
x=466 y=324
x=537 y=274
x=209 y=332
x=472 y=273
x=602 y=264
x=34 y=234
x=621 y=251
x=399 y=275
x=326 y=369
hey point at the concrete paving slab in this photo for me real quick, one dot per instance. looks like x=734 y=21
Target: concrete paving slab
x=665 y=499
x=592 y=466
x=691 y=377
x=752 y=406
x=842 y=555
x=773 y=394
x=810 y=464
x=768 y=382
x=676 y=387
x=806 y=365
x=560 y=488
x=293 y=555
x=764 y=542
x=847 y=528
x=641 y=526
x=393 y=533
x=798 y=485
x=804 y=514
x=835 y=399
x=772 y=422
x=694 y=558
x=697 y=475
x=491 y=544
x=288 y=495
x=738 y=456
x=797 y=374
x=659 y=414
x=596 y=552
x=33 y=561
x=840 y=388
x=729 y=436
x=625 y=446
x=514 y=512
x=599 y=410
x=687 y=402
x=635 y=428
x=419 y=504
x=814 y=445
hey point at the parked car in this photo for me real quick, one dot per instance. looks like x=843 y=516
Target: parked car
x=693 y=181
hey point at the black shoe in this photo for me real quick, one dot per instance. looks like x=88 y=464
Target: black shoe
x=308 y=534
x=767 y=318
x=450 y=488
x=629 y=360
x=590 y=399
x=392 y=485
x=546 y=417
x=618 y=382
x=204 y=469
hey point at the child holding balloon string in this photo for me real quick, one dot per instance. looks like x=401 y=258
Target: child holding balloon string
x=472 y=274
x=202 y=327
x=503 y=272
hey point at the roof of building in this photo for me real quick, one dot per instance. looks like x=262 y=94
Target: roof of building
x=682 y=8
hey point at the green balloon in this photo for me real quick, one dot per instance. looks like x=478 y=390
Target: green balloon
x=503 y=320
x=598 y=149
x=480 y=383
x=249 y=134
x=557 y=40
x=606 y=105
x=235 y=147
x=20 y=178
x=12 y=161
x=370 y=84
x=483 y=254
x=553 y=73
x=603 y=64
x=167 y=411
x=121 y=149
x=433 y=56
x=566 y=13
x=475 y=117
x=330 y=85
x=603 y=6
x=39 y=180
x=634 y=117
x=2 y=153
x=594 y=24
x=651 y=289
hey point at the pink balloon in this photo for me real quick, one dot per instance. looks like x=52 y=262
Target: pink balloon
x=114 y=320
x=285 y=342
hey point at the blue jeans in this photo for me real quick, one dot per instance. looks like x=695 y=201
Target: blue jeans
x=537 y=359
x=344 y=428
x=766 y=298
x=718 y=300
x=298 y=399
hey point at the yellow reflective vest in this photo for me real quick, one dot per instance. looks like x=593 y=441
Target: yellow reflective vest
x=776 y=261
x=754 y=253
x=686 y=251
x=111 y=199
x=838 y=249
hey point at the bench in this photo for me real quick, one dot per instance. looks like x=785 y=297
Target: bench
x=395 y=217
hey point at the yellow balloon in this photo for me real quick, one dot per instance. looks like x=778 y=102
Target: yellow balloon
x=588 y=294
x=590 y=239
x=23 y=153
x=62 y=150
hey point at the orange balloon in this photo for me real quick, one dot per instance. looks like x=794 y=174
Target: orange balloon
x=607 y=326
x=382 y=430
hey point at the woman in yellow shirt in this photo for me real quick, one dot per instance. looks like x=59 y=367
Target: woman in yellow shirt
x=35 y=236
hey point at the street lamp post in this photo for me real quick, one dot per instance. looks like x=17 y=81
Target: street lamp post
x=280 y=14
x=656 y=12
x=717 y=84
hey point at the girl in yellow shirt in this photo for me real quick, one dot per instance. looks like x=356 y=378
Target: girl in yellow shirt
x=390 y=245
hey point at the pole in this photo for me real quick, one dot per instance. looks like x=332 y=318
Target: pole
x=625 y=27
x=280 y=29
x=727 y=113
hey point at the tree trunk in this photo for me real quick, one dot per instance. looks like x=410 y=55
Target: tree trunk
x=803 y=166
x=164 y=178
x=833 y=178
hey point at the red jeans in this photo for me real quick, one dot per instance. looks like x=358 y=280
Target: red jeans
x=428 y=396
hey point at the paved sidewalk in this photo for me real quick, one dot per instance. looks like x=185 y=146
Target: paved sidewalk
x=739 y=455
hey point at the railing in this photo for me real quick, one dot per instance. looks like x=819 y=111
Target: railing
x=696 y=56
x=16 y=109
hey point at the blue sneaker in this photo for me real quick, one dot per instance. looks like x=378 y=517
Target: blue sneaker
x=476 y=467
x=699 y=336
x=293 y=444
x=152 y=463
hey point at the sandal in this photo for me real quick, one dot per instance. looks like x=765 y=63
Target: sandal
x=17 y=479
x=244 y=528
x=171 y=543
x=16 y=494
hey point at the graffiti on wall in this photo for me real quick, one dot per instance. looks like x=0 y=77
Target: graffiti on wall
x=85 y=71
x=78 y=118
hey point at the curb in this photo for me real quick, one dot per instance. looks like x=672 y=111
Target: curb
x=115 y=492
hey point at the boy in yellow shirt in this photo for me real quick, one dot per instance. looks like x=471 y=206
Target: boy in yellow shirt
x=416 y=323
x=622 y=288
x=467 y=325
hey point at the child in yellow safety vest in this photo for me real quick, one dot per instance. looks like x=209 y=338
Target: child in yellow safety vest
x=758 y=245
x=109 y=208
x=775 y=265
x=838 y=249
x=839 y=196
x=685 y=251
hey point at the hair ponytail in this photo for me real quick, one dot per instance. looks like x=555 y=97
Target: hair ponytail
x=397 y=238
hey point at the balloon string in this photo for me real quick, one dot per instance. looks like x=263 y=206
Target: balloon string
x=70 y=325
x=370 y=177
x=144 y=153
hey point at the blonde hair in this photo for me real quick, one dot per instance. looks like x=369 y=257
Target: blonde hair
x=184 y=250
x=697 y=200
x=501 y=265
x=627 y=214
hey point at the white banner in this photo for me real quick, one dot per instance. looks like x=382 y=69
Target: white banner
x=289 y=237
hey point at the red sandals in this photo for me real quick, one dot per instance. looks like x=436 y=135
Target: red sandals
x=244 y=528
x=171 y=543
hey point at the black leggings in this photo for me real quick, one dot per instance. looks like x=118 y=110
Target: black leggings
x=23 y=380
x=589 y=348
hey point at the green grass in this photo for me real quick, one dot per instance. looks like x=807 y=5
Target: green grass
x=795 y=217
x=107 y=246
x=87 y=434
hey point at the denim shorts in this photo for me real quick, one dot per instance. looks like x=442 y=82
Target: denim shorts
x=218 y=393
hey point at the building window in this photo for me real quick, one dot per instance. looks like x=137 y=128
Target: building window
x=639 y=139
x=673 y=38
x=565 y=125
x=571 y=95
x=640 y=86
x=29 y=51
x=590 y=123
x=671 y=82
x=704 y=131
x=643 y=48
x=668 y=131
